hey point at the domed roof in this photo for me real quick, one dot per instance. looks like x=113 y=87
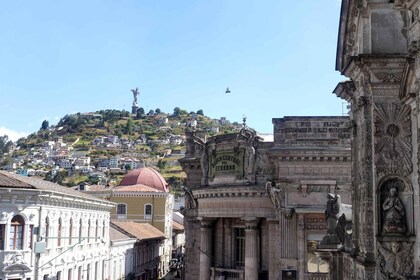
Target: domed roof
x=145 y=176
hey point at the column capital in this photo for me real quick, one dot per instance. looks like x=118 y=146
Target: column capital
x=251 y=223
x=206 y=222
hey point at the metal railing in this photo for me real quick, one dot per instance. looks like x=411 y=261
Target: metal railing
x=229 y=273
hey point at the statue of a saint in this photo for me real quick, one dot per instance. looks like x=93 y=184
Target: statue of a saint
x=136 y=93
x=393 y=214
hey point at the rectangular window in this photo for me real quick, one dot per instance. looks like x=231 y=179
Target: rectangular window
x=148 y=212
x=239 y=247
x=2 y=228
x=79 y=273
x=121 y=211
x=314 y=263
x=70 y=274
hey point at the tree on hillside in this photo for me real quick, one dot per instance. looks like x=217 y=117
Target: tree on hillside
x=151 y=113
x=45 y=124
x=161 y=164
x=177 y=111
x=200 y=112
x=158 y=111
x=128 y=129
x=5 y=144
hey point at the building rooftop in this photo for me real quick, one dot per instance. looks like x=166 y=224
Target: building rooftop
x=13 y=181
x=145 y=176
x=140 y=231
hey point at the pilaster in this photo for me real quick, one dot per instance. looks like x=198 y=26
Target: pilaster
x=206 y=246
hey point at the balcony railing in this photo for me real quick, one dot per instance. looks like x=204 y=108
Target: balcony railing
x=229 y=274
x=316 y=276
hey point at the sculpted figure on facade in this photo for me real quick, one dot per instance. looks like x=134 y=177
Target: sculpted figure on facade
x=393 y=214
x=190 y=202
x=250 y=151
x=272 y=192
x=202 y=149
x=332 y=212
x=395 y=260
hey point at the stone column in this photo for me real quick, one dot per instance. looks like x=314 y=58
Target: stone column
x=273 y=244
x=205 y=247
x=301 y=244
x=251 y=249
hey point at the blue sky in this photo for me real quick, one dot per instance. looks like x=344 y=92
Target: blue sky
x=60 y=57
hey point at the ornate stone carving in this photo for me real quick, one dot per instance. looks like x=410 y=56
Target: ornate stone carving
x=4 y=216
x=202 y=148
x=393 y=211
x=190 y=201
x=272 y=192
x=414 y=49
x=393 y=139
x=395 y=260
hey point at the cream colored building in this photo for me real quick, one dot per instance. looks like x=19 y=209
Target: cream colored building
x=143 y=197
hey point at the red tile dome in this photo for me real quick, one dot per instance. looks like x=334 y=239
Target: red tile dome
x=145 y=176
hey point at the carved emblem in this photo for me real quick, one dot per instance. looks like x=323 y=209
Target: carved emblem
x=393 y=139
x=395 y=260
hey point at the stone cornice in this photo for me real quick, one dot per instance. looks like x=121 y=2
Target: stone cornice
x=230 y=192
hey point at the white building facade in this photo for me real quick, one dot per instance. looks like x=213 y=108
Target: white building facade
x=51 y=232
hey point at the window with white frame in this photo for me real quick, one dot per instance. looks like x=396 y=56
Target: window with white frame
x=121 y=211
x=148 y=212
x=16 y=233
x=314 y=263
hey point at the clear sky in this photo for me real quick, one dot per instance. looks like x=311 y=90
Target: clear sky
x=61 y=57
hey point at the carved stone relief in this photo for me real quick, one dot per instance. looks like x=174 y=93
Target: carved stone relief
x=395 y=260
x=394 y=221
x=393 y=139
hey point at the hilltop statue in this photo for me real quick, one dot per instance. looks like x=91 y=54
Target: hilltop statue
x=136 y=93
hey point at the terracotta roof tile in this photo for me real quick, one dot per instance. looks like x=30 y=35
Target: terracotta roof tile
x=140 y=231
x=177 y=226
x=136 y=188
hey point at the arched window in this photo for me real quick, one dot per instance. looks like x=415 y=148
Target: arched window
x=59 y=230
x=121 y=211
x=70 y=231
x=148 y=211
x=16 y=233
x=80 y=230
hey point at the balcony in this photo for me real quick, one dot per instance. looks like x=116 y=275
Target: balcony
x=317 y=276
x=216 y=272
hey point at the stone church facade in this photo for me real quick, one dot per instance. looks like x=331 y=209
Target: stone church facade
x=378 y=50
x=254 y=209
